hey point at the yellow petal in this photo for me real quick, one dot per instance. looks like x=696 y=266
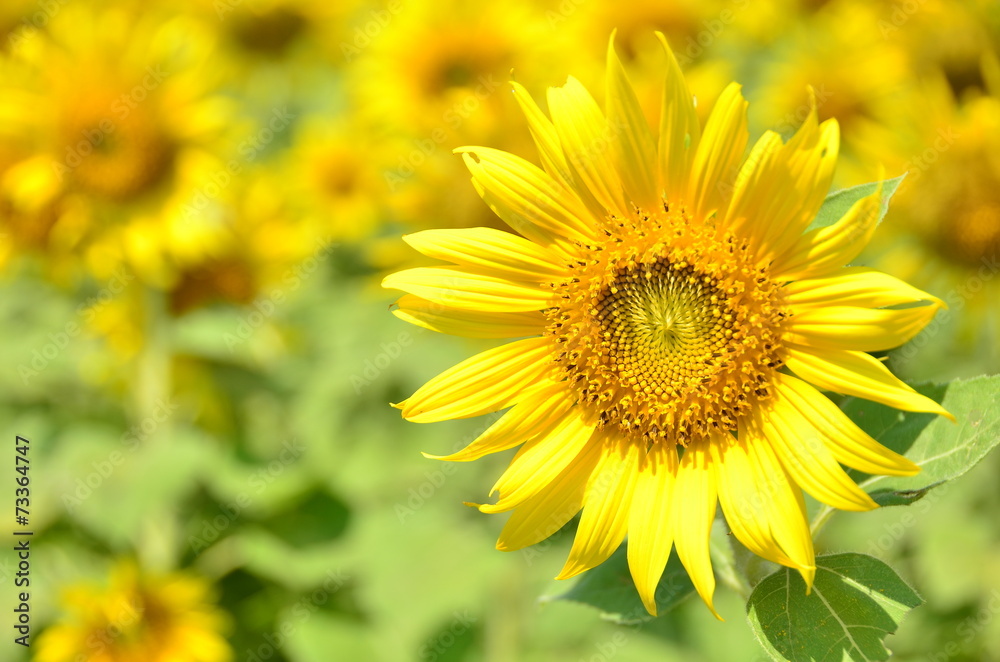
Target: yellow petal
x=468 y=323
x=494 y=252
x=650 y=533
x=606 y=505
x=692 y=517
x=468 y=290
x=782 y=186
x=860 y=375
x=680 y=131
x=540 y=410
x=720 y=150
x=784 y=505
x=849 y=444
x=586 y=138
x=487 y=382
x=821 y=251
x=805 y=456
x=852 y=328
x=539 y=461
x=744 y=498
x=546 y=139
x=525 y=197
x=548 y=511
x=855 y=286
x=635 y=149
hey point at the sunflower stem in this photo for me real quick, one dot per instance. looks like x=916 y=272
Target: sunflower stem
x=724 y=560
x=822 y=517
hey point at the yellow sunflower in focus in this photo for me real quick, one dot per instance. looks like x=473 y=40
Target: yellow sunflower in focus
x=664 y=291
x=107 y=116
x=138 y=618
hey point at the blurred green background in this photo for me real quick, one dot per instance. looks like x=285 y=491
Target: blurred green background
x=197 y=203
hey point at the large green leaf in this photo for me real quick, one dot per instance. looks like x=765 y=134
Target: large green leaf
x=855 y=602
x=839 y=202
x=609 y=588
x=943 y=449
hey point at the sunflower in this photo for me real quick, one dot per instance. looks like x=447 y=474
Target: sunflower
x=138 y=618
x=675 y=323
x=109 y=116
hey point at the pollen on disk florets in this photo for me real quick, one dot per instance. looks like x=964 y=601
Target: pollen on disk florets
x=669 y=329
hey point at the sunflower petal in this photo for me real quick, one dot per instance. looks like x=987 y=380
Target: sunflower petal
x=805 y=456
x=525 y=197
x=543 y=132
x=535 y=414
x=586 y=137
x=849 y=444
x=719 y=152
x=650 y=533
x=539 y=461
x=487 y=382
x=606 y=505
x=459 y=288
x=495 y=252
x=680 y=131
x=855 y=286
x=784 y=505
x=692 y=517
x=548 y=511
x=860 y=375
x=468 y=323
x=635 y=149
x=821 y=251
x=852 y=328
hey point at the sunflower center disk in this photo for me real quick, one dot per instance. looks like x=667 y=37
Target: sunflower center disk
x=671 y=331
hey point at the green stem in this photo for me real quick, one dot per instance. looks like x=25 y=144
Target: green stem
x=822 y=517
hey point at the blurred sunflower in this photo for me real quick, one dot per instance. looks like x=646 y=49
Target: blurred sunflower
x=331 y=170
x=944 y=233
x=852 y=70
x=107 y=114
x=446 y=64
x=138 y=618
x=657 y=306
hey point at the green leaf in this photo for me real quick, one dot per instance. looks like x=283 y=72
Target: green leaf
x=856 y=601
x=839 y=202
x=943 y=449
x=609 y=588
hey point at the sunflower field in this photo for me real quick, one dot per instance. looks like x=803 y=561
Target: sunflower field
x=526 y=331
